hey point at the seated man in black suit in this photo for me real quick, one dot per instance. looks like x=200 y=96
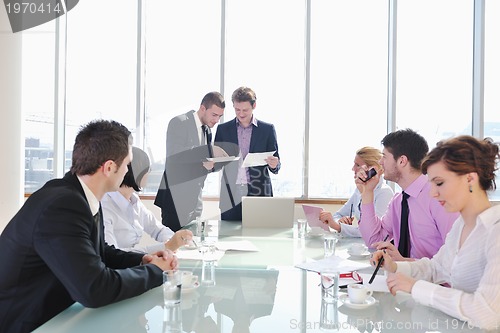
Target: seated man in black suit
x=53 y=251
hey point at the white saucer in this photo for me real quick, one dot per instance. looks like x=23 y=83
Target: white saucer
x=359 y=256
x=190 y=288
x=347 y=302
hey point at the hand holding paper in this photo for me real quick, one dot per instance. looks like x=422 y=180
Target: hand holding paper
x=256 y=159
x=312 y=216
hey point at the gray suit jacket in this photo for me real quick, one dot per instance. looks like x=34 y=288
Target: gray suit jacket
x=179 y=195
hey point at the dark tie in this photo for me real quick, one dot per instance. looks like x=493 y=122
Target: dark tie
x=208 y=136
x=97 y=221
x=404 y=238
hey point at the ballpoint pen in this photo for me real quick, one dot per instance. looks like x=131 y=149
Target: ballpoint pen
x=380 y=262
x=350 y=214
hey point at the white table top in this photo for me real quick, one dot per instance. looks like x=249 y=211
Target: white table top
x=258 y=292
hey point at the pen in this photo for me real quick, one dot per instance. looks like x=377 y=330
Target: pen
x=380 y=262
x=350 y=214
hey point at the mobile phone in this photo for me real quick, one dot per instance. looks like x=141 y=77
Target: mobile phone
x=369 y=174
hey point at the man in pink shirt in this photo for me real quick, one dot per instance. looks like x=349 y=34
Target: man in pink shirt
x=428 y=222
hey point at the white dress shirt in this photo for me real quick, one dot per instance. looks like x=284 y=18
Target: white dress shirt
x=472 y=271
x=382 y=196
x=126 y=221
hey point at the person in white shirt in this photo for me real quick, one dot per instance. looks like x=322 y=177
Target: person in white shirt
x=126 y=218
x=461 y=170
x=342 y=220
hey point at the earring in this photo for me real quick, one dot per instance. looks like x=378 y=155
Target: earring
x=470 y=188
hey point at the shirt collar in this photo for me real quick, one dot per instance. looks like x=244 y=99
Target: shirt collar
x=121 y=201
x=417 y=186
x=253 y=122
x=91 y=198
x=197 y=120
x=490 y=216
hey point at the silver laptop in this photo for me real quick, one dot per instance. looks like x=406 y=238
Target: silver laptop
x=267 y=212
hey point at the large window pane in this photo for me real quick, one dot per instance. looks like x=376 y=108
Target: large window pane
x=101 y=64
x=348 y=89
x=183 y=43
x=434 y=67
x=265 y=51
x=492 y=76
x=38 y=77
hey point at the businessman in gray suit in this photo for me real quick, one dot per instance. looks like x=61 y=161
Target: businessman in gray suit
x=53 y=251
x=189 y=139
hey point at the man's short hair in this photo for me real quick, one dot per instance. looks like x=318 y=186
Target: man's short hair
x=98 y=142
x=244 y=94
x=213 y=98
x=409 y=143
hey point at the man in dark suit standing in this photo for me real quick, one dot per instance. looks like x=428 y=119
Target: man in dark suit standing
x=53 y=251
x=189 y=139
x=238 y=137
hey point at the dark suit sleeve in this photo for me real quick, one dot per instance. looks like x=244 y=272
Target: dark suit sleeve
x=63 y=240
x=272 y=144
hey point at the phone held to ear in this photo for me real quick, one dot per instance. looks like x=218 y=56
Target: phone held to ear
x=369 y=174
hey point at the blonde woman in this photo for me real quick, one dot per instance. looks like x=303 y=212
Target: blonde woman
x=342 y=220
x=461 y=171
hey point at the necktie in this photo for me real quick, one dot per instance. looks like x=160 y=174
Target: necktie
x=404 y=239
x=208 y=136
x=97 y=221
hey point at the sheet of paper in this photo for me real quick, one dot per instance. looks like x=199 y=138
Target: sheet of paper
x=312 y=216
x=343 y=265
x=196 y=255
x=256 y=159
x=378 y=284
x=243 y=245
x=223 y=159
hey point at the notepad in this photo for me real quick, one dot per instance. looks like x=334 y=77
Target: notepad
x=312 y=216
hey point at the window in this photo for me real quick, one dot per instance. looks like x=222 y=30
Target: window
x=265 y=51
x=492 y=78
x=101 y=65
x=348 y=101
x=38 y=104
x=182 y=64
x=319 y=68
x=434 y=67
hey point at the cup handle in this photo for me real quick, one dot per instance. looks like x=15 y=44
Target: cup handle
x=369 y=293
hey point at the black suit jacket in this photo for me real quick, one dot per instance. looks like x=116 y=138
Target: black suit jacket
x=263 y=139
x=179 y=194
x=50 y=260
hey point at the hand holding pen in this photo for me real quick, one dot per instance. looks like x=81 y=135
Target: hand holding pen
x=379 y=259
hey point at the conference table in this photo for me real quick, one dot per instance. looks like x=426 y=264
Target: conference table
x=259 y=291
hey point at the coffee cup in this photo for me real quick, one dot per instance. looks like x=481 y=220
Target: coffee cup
x=188 y=279
x=358 y=249
x=358 y=293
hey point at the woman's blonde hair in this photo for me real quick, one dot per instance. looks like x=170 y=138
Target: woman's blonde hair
x=371 y=156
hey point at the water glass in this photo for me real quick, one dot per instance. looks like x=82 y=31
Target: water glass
x=301 y=228
x=330 y=242
x=208 y=273
x=172 y=318
x=329 y=316
x=330 y=285
x=172 y=284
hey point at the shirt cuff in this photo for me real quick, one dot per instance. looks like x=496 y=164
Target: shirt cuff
x=423 y=292
x=403 y=267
